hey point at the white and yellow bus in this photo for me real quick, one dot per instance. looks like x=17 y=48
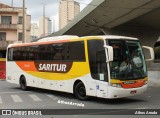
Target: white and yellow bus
x=101 y=66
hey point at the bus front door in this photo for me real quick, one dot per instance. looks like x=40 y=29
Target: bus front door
x=102 y=75
x=101 y=88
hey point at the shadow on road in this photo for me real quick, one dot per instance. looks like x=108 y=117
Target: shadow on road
x=118 y=101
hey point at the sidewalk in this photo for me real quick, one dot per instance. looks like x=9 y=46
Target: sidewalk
x=2 y=79
x=154 y=78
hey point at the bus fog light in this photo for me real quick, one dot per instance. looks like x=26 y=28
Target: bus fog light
x=9 y=78
x=146 y=82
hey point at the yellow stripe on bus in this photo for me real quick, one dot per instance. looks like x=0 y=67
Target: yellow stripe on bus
x=78 y=69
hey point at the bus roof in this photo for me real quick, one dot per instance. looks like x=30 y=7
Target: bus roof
x=110 y=37
x=69 y=38
x=57 y=38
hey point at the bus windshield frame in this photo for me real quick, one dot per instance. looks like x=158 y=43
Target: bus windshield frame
x=128 y=61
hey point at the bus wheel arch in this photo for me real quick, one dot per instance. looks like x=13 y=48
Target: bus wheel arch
x=22 y=82
x=79 y=90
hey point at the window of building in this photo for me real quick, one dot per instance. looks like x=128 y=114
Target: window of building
x=2 y=36
x=20 y=20
x=6 y=19
x=20 y=36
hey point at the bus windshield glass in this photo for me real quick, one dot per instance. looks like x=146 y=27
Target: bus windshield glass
x=129 y=62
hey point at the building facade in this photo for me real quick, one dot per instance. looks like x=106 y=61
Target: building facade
x=68 y=9
x=34 y=31
x=48 y=26
x=11 y=25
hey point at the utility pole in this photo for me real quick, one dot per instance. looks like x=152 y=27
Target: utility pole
x=44 y=17
x=12 y=3
x=23 y=40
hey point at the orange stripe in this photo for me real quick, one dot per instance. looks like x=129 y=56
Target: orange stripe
x=27 y=66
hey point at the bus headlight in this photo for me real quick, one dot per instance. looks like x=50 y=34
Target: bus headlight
x=9 y=78
x=115 y=85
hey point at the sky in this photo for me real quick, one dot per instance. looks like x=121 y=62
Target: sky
x=35 y=8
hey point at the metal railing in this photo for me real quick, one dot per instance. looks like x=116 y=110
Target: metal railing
x=9 y=26
x=9 y=10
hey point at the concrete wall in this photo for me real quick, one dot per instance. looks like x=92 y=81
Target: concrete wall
x=11 y=36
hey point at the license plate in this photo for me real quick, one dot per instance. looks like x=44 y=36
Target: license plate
x=133 y=92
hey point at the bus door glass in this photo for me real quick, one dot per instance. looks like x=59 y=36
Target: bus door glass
x=102 y=72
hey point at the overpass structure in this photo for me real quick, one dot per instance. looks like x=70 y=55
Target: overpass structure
x=136 y=18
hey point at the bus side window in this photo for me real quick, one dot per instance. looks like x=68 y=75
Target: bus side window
x=73 y=51
x=24 y=53
x=65 y=51
x=57 y=51
x=10 y=54
x=15 y=54
x=76 y=51
x=45 y=52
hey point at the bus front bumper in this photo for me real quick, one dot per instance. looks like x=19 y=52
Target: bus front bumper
x=114 y=92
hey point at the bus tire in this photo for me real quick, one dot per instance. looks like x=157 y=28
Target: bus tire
x=23 y=84
x=80 y=91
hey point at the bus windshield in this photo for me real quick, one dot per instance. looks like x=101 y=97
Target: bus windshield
x=129 y=62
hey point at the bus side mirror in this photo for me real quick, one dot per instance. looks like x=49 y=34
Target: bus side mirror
x=151 y=52
x=109 y=53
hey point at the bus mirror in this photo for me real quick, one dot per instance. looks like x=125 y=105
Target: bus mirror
x=151 y=52
x=109 y=53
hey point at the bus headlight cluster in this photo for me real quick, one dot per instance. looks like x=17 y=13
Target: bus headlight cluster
x=115 y=85
x=9 y=78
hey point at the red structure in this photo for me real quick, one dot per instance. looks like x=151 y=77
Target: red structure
x=2 y=69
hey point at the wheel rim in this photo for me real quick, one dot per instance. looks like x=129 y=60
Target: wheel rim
x=82 y=91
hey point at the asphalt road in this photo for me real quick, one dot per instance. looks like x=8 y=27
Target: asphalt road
x=12 y=97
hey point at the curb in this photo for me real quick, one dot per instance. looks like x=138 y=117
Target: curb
x=2 y=79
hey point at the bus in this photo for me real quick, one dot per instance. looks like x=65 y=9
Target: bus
x=101 y=66
x=2 y=64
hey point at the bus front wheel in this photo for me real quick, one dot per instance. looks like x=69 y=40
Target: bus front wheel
x=23 y=84
x=80 y=91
